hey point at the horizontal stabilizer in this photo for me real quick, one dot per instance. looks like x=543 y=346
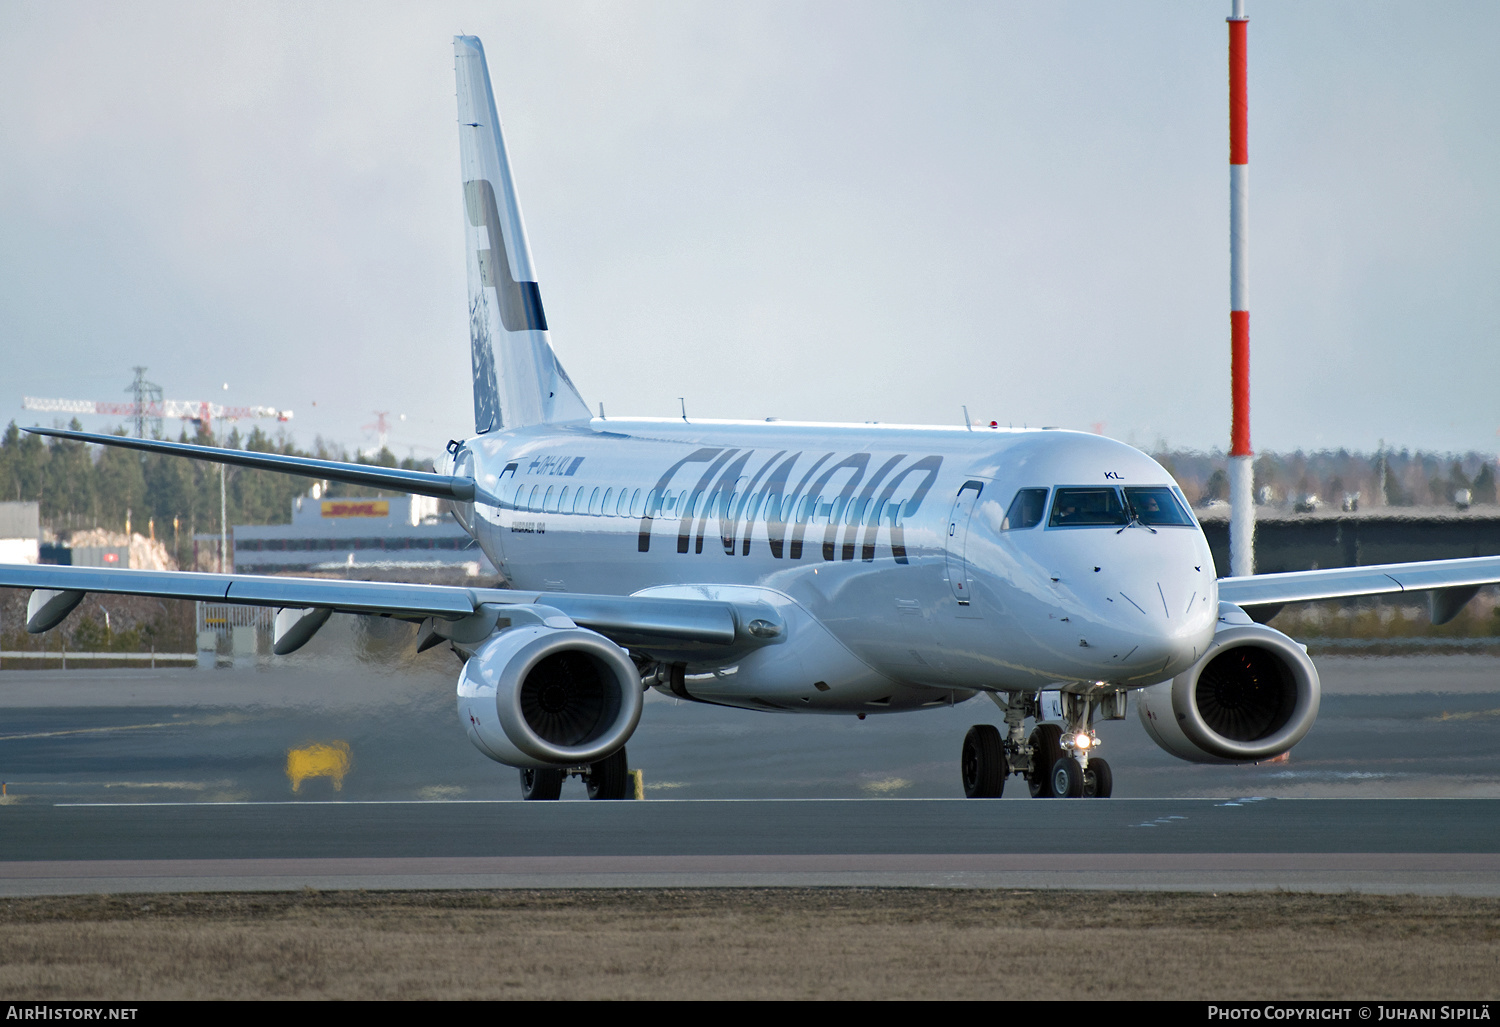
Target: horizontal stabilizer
x=392 y=479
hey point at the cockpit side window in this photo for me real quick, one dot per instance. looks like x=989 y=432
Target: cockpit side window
x=1075 y=508
x=1157 y=506
x=1025 y=510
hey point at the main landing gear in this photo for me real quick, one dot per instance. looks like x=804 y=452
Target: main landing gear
x=1057 y=760
x=607 y=779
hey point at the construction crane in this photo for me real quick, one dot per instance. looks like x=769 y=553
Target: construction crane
x=381 y=427
x=147 y=408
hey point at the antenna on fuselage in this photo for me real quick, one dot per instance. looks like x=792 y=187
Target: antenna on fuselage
x=601 y=410
x=966 y=419
x=684 y=407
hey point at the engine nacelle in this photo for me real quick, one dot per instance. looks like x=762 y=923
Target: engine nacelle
x=537 y=696
x=1253 y=695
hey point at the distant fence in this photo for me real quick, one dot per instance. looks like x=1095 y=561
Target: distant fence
x=63 y=656
x=232 y=629
x=220 y=618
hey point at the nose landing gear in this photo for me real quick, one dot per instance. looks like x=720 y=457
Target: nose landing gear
x=1098 y=780
x=1057 y=760
x=1067 y=778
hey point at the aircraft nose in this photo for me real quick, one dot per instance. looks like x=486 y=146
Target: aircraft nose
x=1155 y=630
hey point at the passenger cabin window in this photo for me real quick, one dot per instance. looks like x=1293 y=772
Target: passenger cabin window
x=1156 y=506
x=1080 y=508
x=1025 y=510
x=609 y=495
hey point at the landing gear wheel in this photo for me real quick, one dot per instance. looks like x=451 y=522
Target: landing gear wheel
x=1098 y=780
x=1067 y=778
x=609 y=778
x=983 y=763
x=1046 y=749
x=542 y=784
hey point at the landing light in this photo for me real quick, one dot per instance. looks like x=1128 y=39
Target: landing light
x=1083 y=741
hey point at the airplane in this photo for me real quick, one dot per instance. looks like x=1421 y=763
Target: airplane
x=792 y=567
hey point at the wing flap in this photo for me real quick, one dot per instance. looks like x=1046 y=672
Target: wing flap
x=636 y=620
x=662 y=625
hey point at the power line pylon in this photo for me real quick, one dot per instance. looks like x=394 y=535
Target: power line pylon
x=148 y=404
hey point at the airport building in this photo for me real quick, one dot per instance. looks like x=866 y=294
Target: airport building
x=1292 y=540
x=406 y=537
x=20 y=532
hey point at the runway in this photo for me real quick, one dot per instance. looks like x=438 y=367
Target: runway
x=181 y=779
x=1441 y=846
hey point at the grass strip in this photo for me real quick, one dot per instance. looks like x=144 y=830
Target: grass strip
x=755 y=943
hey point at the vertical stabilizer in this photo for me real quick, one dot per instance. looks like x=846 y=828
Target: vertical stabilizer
x=517 y=379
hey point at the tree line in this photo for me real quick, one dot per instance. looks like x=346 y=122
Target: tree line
x=1386 y=478
x=79 y=485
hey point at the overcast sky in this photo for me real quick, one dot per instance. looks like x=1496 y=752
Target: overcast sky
x=841 y=211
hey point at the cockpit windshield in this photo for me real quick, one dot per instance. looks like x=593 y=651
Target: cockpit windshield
x=1087 y=507
x=1025 y=510
x=1157 y=506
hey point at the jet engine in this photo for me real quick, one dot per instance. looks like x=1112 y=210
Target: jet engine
x=1253 y=695
x=535 y=696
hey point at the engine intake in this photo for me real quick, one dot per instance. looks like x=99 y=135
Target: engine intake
x=1253 y=695
x=539 y=696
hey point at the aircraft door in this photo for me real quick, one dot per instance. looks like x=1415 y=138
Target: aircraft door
x=958 y=534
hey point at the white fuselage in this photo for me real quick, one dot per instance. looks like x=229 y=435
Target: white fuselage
x=885 y=547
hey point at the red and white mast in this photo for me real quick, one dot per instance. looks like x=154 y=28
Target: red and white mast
x=1241 y=457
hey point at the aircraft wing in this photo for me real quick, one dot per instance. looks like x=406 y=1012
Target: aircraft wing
x=659 y=625
x=1454 y=577
x=394 y=479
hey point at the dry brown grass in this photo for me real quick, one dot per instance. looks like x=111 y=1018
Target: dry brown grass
x=749 y=943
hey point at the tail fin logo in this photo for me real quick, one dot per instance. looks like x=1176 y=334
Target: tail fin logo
x=520 y=302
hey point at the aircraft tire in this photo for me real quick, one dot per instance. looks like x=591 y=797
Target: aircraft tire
x=1067 y=778
x=1046 y=749
x=982 y=763
x=542 y=784
x=1098 y=780
x=609 y=778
